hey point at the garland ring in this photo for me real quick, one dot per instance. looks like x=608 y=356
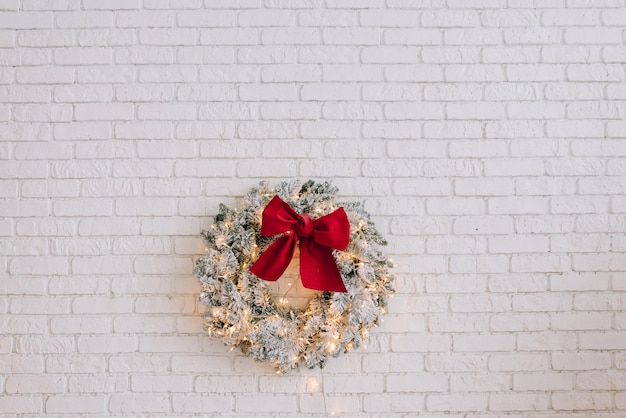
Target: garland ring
x=241 y=309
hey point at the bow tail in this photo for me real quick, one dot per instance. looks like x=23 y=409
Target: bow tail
x=275 y=260
x=318 y=268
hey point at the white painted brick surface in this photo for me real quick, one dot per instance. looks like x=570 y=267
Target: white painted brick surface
x=485 y=138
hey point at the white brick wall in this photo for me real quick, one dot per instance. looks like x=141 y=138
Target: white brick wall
x=485 y=137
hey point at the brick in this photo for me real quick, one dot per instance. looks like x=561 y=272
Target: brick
x=580 y=282
x=339 y=91
x=168 y=74
x=578 y=205
x=331 y=54
x=22 y=404
x=581 y=321
x=26 y=93
x=340 y=73
x=414 y=73
x=24 y=324
x=114 y=5
x=65 y=246
x=26 y=20
x=483 y=225
x=149 y=92
x=519 y=322
x=140 y=169
x=544 y=224
x=106 y=265
x=453 y=129
x=44 y=75
x=22 y=364
x=49 y=345
x=202 y=404
x=41 y=151
x=524 y=110
x=541 y=302
x=475 y=73
x=478 y=264
x=455 y=206
x=480 y=303
x=545 y=186
x=452 y=92
x=543 y=381
x=165 y=111
x=418 y=304
x=256 y=18
x=87 y=384
x=414 y=383
x=519 y=362
x=457 y=323
x=156 y=383
x=605 y=341
x=82 y=56
x=479 y=382
x=510 y=18
x=546 y=341
x=517 y=205
x=213 y=18
x=38 y=265
x=412 y=36
x=601 y=381
x=482 y=343
x=281 y=403
x=470 y=36
x=146 y=129
x=34 y=384
x=167 y=344
x=167 y=36
x=450 y=54
x=456 y=245
x=390 y=54
x=517 y=402
x=581 y=361
x=45 y=37
x=118 y=111
x=105 y=74
x=595 y=401
x=133 y=403
x=84 y=19
x=595 y=72
x=82 y=93
x=453 y=18
x=106 y=344
x=532 y=36
x=461 y=402
x=512 y=128
x=540 y=263
x=205 y=55
x=63 y=325
x=88 y=207
x=471 y=110
x=518 y=244
x=82 y=131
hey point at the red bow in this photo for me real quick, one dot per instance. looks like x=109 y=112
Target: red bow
x=317 y=238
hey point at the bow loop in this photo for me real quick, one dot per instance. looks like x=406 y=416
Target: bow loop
x=317 y=239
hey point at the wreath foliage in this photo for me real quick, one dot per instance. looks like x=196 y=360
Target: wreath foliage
x=241 y=309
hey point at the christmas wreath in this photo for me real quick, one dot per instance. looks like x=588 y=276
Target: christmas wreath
x=340 y=258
